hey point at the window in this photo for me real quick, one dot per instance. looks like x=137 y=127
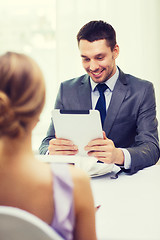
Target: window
x=29 y=27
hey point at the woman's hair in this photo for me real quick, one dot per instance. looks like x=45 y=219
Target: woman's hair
x=97 y=30
x=22 y=93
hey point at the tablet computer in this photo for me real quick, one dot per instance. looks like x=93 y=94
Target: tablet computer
x=79 y=126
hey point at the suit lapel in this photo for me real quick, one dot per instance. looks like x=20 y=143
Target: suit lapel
x=119 y=93
x=84 y=93
x=118 y=96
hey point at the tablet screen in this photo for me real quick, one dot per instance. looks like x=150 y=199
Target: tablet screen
x=78 y=126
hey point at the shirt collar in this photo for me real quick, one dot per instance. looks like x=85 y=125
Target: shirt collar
x=110 y=82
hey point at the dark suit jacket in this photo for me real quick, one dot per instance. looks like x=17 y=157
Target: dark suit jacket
x=131 y=117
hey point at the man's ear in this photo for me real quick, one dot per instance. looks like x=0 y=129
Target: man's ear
x=116 y=51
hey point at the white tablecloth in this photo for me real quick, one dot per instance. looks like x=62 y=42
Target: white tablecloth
x=130 y=205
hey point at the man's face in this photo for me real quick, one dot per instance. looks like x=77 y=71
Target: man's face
x=98 y=60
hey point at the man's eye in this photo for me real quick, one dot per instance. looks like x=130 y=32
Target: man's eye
x=86 y=59
x=99 y=58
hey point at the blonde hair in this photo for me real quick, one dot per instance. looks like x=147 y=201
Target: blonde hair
x=22 y=93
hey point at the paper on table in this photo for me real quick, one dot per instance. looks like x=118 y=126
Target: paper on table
x=94 y=169
x=88 y=164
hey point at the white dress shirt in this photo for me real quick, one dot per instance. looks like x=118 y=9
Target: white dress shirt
x=108 y=94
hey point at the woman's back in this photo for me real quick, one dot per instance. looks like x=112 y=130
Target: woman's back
x=59 y=194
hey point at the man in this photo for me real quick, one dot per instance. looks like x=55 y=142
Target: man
x=130 y=125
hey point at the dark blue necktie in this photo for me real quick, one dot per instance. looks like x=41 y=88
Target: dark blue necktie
x=101 y=103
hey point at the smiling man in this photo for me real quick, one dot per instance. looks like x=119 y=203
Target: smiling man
x=98 y=59
x=128 y=114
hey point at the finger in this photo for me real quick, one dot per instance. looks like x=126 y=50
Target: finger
x=98 y=148
x=63 y=147
x=100 y=158
x=100 y=142
x=61 y=141
x=104 y=135
x=100 y=154
x=97 y=142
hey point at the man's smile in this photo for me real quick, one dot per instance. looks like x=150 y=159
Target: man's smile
x=97 y=74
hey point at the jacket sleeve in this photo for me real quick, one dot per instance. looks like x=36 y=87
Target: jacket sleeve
x=146 y=150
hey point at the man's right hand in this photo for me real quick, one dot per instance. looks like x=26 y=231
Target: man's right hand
x=60 y=146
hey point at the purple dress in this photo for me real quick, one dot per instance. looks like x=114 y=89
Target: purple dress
x=64 y=217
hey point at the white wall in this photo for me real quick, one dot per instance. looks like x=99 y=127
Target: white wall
x=137 y=24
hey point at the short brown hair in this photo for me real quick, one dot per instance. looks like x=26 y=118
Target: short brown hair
x=97 y=30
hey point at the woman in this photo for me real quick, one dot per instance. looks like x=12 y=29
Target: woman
x=58 y=194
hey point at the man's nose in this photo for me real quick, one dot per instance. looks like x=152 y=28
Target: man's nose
x=93 y=66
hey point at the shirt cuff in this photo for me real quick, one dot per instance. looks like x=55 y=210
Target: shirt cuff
x=127 y=158
x=47 y=153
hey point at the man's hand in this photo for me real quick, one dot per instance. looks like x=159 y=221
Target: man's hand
x=104 y=150
x=59 y=146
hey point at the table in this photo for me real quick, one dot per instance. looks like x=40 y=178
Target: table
x=130 y=205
